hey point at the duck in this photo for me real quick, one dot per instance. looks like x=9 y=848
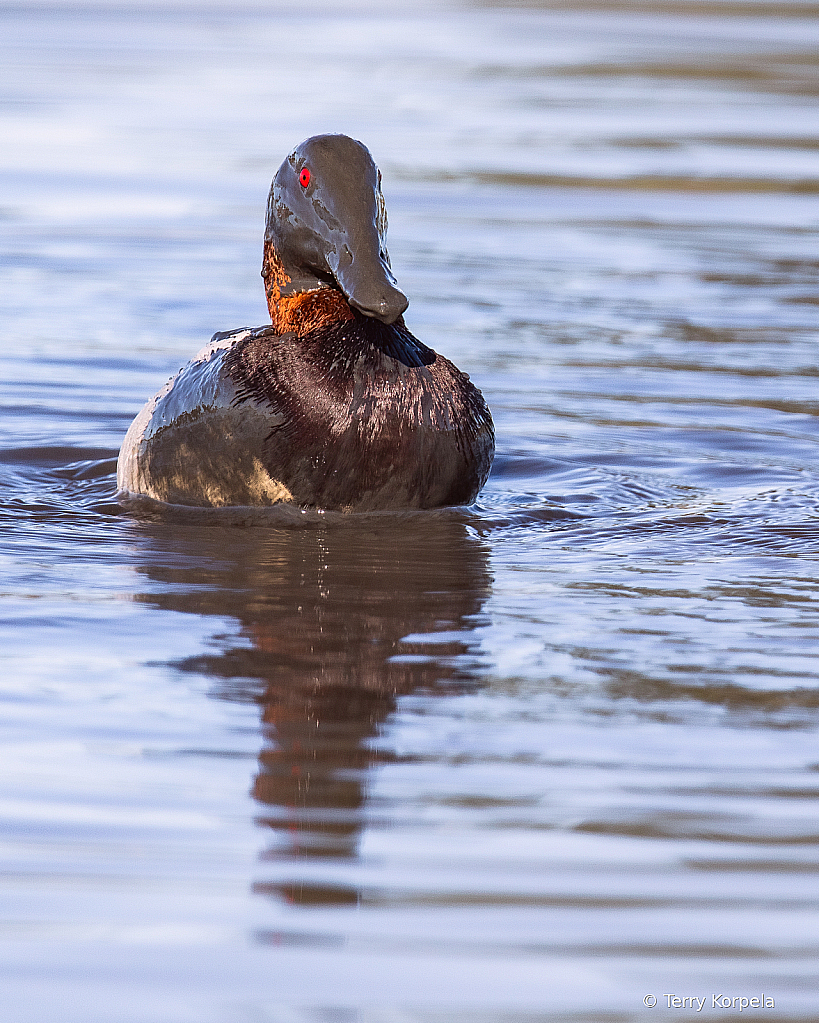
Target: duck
x=333 y=405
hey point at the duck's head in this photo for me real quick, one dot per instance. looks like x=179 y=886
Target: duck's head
x=327 y=226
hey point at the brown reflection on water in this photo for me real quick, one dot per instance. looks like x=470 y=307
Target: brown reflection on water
x=325 y=615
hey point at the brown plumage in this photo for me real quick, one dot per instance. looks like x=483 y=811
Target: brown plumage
x=366 y=417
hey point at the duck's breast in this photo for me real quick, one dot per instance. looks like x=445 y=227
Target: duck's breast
x=370 y=419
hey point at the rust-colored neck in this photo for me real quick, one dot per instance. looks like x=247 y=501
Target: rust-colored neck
x=306 y=310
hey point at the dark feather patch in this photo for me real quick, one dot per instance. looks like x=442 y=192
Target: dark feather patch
x=365 y=416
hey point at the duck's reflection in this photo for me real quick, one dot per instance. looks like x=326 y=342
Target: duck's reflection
x=328 y=618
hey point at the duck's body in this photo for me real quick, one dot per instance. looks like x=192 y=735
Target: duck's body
x=335 y=404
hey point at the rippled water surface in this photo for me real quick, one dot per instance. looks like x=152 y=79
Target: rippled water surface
x=538 y=759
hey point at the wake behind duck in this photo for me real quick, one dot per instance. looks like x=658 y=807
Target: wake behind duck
x=334 y=405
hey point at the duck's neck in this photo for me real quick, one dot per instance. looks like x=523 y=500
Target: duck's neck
x=300 y=311
x=307 y=311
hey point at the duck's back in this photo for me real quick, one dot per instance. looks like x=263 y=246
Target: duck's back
x=356 y=416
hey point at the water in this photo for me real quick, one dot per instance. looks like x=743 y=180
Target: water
x=533 y=760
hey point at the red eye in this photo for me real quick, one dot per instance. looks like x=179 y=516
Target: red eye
x=304 y=177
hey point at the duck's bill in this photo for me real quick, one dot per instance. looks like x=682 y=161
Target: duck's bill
x=368 y=284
